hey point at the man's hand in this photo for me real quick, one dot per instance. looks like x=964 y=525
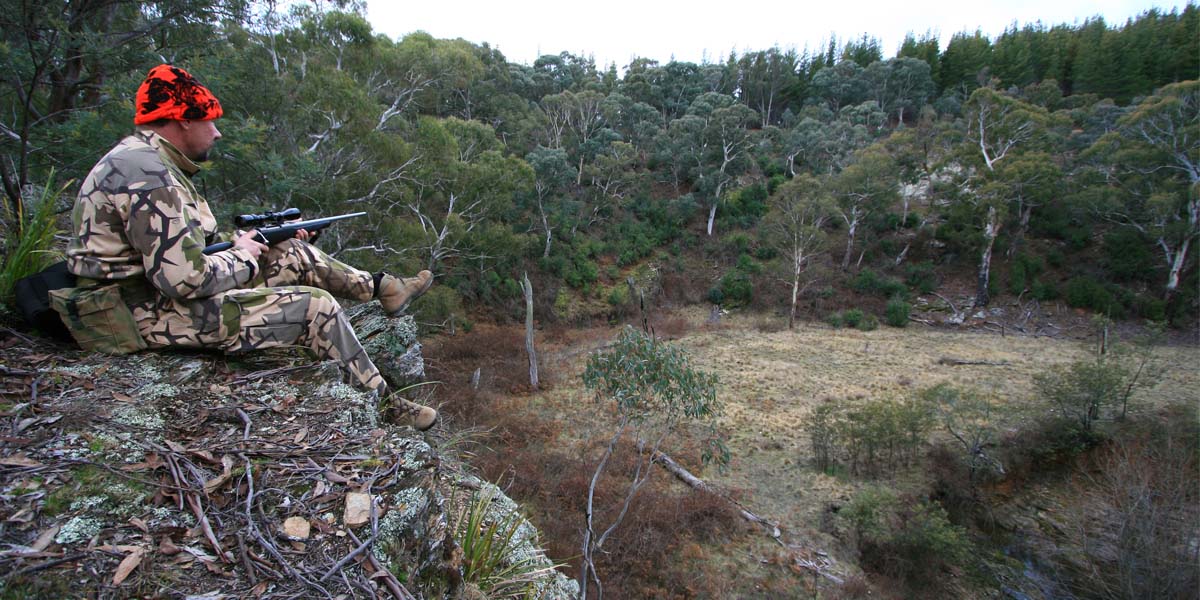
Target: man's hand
x=247 y=241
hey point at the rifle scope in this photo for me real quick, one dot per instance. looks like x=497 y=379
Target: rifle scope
x=267 y=217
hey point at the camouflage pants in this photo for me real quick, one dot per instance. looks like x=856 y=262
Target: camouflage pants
x=290 y=303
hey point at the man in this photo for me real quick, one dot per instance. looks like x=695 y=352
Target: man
x=140 y=228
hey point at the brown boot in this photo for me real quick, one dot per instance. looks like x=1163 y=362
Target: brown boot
x=419 y=416
x=395 y=293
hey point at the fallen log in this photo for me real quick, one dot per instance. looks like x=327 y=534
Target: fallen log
x=957 y=362
x=687 y=477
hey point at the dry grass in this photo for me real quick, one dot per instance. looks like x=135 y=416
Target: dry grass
x=770 y=380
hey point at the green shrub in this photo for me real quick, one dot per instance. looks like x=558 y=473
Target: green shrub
x=897 y=313
x=1024 y=273
x=1044 y=291
x=1086 y=292
x=922 y=277
x=869 y=282
x=737 y=243
x=30 y=249
x=835 y=319
x=1129 y=256
x=736 y=289
x=715 y=295
x=852 y=317
x=618 y=295
x=906 y=538
x=869 y=437
x=746 y=264
x=869 y=322
x=765 y=252
x=439 y=306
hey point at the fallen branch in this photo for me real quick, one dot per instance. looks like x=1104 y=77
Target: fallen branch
x=389 y=579
x=773 y=528
x=956 y=362
x=11 y=372
x=686 y=476
x=267 y=373
x=48 y=564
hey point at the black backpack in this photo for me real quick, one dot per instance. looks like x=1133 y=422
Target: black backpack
x=33 y=299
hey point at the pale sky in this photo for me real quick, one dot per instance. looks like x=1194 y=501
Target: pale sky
x=696 y=31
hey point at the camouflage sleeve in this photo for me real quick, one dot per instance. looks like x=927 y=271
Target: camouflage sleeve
x=172 y=246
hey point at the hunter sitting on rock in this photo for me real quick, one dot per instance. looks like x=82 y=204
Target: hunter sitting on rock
x=140 y=229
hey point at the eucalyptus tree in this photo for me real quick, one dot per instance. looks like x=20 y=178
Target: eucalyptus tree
x=795 y=224
x=711 y=144
x=820 y=144
x=654 y=390
x=867 y=185
x=553 y=175
x=460 y=184
x=900 y=86
x=998 y=129
x=840 y=85
x=65 y=60
x=637 y=123
x=1153 y=160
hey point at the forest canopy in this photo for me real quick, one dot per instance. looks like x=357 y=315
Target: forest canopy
x=1066 y=157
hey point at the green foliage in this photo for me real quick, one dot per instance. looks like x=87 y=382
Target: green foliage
x=747 y=264
x=647 y=378
x=493 y=559
x=439 y=307
x=1026 y=268
x=618 y=295
x=905 y=538
x=734 y=289
x=1086 y=292
x=868 y=437
x=853 y=317
x=869 y=282
x=1098 y=387
x=897 y=312
x=869 y=322
x=30 y=243
x=922 y=277
x=1129 y=256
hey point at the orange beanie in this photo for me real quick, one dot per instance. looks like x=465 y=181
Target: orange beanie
x=172 y=93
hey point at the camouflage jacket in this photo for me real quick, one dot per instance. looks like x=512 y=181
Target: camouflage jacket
x=138 y=215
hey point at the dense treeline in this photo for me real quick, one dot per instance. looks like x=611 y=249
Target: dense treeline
x=1067 y=152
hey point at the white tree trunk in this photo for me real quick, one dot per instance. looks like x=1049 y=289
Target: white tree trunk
x=990 y=231
x=850 y=232
x=797 y=264
x=712 y=215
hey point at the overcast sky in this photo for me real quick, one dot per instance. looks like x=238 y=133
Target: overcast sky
x=613 y=31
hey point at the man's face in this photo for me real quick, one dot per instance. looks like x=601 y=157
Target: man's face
x=200 y=137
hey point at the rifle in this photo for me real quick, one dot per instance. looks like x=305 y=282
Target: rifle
x=280 y=230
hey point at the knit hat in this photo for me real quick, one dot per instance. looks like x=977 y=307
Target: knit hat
x=171 y=93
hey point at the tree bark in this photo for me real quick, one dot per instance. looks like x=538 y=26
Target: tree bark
x=527 y=287
x=853 y=228
x=990 y=231
x=797 y=263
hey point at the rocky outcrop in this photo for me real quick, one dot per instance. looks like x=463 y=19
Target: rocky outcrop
x=264 y=475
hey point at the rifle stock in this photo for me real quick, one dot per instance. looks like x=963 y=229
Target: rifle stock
x=286 y=231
